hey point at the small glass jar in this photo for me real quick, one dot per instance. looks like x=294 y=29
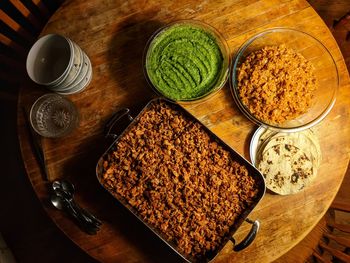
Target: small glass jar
x=53 y=116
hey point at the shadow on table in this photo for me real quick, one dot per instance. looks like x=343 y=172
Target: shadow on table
x=28 y=232
x=119 y=223
x=126 y=52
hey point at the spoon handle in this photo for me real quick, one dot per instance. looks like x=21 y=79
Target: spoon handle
x=88 y=214
x=77 y=209
x=85 y=225
x=65 y=189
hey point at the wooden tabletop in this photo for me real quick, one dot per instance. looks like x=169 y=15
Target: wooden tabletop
x=114 y=34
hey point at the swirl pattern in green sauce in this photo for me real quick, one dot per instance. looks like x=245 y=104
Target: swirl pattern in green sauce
x=184 y=62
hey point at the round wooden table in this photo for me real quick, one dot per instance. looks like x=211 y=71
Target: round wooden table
x=114 y=34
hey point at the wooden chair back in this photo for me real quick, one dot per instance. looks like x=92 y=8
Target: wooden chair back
x=334 y=246
x=21 y=23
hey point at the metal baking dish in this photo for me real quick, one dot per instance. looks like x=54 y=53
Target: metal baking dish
x=252 y=171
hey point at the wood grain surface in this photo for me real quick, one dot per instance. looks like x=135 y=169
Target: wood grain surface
x=114 y=34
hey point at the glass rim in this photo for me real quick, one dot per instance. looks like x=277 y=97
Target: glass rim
x=245 y=110
x=56 y=96
x=222 y=44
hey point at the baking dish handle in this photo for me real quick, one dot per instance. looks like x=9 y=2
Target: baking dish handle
x=116 y=117
x=249 y=238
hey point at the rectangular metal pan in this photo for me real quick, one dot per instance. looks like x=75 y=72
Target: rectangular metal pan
x=260 y=184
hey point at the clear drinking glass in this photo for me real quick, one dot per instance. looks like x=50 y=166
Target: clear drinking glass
x=53 y=115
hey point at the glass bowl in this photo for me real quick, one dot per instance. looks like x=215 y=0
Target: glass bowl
x=53 y=116
x=325 y=72
x=186 y=61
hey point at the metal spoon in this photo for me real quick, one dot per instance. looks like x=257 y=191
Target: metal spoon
x=57 y=202
x=66 y=197
x=68 y=189
x=62 y=204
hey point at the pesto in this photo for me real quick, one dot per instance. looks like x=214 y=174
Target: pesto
x=184 y=62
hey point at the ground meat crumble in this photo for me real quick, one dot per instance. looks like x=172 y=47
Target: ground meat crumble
x=179 y=179
x=276 y=84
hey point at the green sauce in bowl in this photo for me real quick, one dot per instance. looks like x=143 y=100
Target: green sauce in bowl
x=184 y=62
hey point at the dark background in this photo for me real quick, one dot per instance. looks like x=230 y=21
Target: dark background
x=27 y=230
